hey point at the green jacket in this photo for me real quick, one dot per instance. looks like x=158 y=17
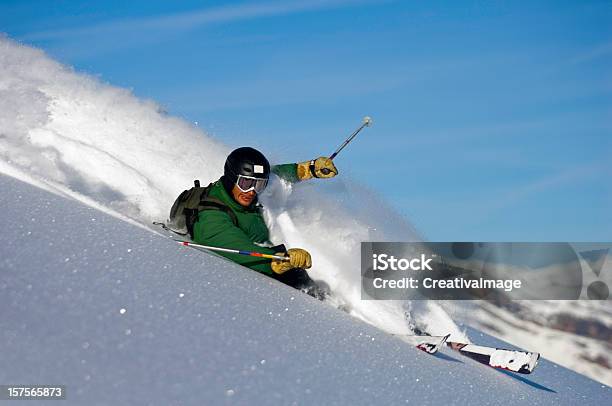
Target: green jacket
x=215 y=227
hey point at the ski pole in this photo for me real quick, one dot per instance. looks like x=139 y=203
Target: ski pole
x=367 y=121
x=232 y=251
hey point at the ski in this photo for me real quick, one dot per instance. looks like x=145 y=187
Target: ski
x=523 y=362
x=429 y=344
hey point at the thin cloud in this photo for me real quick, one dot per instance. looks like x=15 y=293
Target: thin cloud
x=485 y=204
x=193 y=19
x=569 y=176
x=597 y=52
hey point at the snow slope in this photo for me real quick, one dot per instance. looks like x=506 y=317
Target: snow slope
x=72 y=135
x=121 y=315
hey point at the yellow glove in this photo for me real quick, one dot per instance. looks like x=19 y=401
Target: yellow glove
x=321 y=167
x=298 y=258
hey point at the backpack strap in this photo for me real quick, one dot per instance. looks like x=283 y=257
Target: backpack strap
x=210 y=203
x=196 y=200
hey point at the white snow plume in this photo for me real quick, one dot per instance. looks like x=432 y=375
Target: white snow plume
x=330 y=220
x=99 y=144
x=95 y=142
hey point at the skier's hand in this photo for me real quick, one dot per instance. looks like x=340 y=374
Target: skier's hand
x=321 y=167
x=324 y=168
x=298 y=258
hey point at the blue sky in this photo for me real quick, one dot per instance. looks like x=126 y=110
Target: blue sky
x=492 y=120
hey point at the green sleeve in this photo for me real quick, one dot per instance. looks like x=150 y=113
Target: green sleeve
x=215 y=228
x=287 y=172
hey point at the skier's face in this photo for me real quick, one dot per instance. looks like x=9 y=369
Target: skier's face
x=243 y=198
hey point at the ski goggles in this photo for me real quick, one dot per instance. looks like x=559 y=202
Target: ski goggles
x=248 y=183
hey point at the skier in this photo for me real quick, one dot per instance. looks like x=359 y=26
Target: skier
x=238 y=222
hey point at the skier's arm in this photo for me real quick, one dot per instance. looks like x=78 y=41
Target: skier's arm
x=215 y=228
x=321 y=167
x=287 y=172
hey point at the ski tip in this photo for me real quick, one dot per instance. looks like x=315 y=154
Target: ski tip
x=432 y=347
x=429 y=348
x=528 y=368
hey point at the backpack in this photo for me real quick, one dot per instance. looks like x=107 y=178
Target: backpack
x=188 y=205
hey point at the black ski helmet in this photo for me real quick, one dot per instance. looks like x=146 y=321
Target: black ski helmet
x=245 y=161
